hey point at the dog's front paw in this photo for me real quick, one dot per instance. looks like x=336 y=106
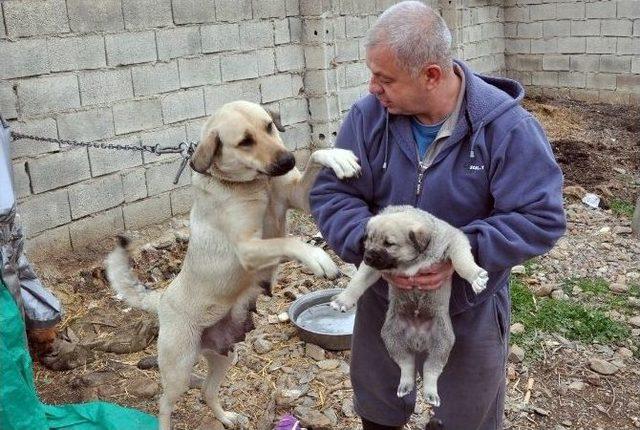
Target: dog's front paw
x=480 y=283
x=343 y=302
x=405 y=387
x=431 y=396
x=321 y=264
x=343 y=162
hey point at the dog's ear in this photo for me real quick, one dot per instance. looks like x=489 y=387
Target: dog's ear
x=419 y=237
x=203 y=156
x=275 y=116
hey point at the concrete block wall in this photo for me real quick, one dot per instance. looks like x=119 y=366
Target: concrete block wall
x=587 y=50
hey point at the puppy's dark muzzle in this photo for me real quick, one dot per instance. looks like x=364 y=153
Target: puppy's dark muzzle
x=380 y=260
x=283 y=164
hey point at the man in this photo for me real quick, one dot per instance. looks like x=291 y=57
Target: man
x=436 y=136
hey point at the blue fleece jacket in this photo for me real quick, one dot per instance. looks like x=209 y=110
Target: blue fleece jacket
x=495 y=177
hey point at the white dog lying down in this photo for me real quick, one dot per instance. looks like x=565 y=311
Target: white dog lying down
x=402 y=240
x=244 y=180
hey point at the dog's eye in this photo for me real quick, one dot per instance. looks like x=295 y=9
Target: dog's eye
x=246 y=142
x=270 y=127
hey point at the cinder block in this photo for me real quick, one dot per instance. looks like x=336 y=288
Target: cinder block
x=57 y=170
x=355 y=7
x=269 y=9
x=617 y=27
x=601 y=81
x=324 y=134
x=44 y=211
x=199 y=71
x=193 y=11
x=95 y=195
x=601 y=45
x=529 y=62
x=533 y=29
x=139 y=14
x=178 y=42
x=492 y=30
x=21 y=180
x=292 y=7
x=570 y=10
x=556 y=28
x=356 y=26
x=105 y=86
x=220 y=37
x=53 y=242
x=636 y=27
x=297 y=136
x=629 y=83
x=318 y=57
x=155 y=78
x=23 y=58
x=183 y=105
x=355 y=74
x=302 y=157
x=590 y=27
x=320 y=82
x=256 y=34
x=194 y=128
x=239 y=66
x=181 y=199
x=585 y=63
x=323 y=109
x=47 y=94
x=152 y=210
x=289 y=58
x=611 y=64
x=233 y=10
x=34 y=18
x=217 y=96
x=86 y=126
x=85 y=18
x=74 y=53
x=135 y=115
x=85 y=233
x=37 y=127
x=601 y=9
x=317 y=30
x=8 y=101
x=266 y=62
x=626 y=46
x=516 y=14
x=545 y=79
x=160 y=177
x=281 y=31
x=276 y=87
x=131 y=48
x=572 y=79
x=171 y=136
x=542 y=12
x=572 y=45
x=628 y=9
x=105 y=161
x=297 y=85
x=295 y=29
x=518 y=46
x=293 y=111
x=348 y=96
x=134 y=184
x=635 y=65
x=339 y=28
x=555 y=62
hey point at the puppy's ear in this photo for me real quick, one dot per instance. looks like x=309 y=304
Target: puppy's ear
x=419 y=237
x=275 y=116
x=203 y=156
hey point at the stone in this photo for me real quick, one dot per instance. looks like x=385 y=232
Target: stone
x=328 y=364
x=150 y=362
x=518 y=270
x=312 y=418
x=558 y=295
x=624 y=352
x=314 y=351
x=635 y=321
x=516 y=354
x=618 y=288
x=516 y=328
x=602 y=367
x=143 y=387
x=576 y=386
x=283 y=317
x=262 y=345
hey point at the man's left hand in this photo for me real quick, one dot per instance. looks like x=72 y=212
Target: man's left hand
x=428 y=278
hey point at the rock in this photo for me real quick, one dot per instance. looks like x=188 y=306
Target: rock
x=287 y=397
x=516 y=354
x=619 y=288
x=312 y=418
x=149 y=362
x=516 y=328
x=283 y=316
x=604 y=230
x=624 y=353
x=634 y=302
x=328 y=364
x=635 y=321
x=602 y=367
x=314 y=351
x=558 y=295
x=273 y=319
x=165 y=244
x=210 y=424
x=143 y=387
x=518 y=270
x=511 y=373
x=576 y=386
x=332 y=416
x=567 y=423
x=594 y=379
x=182 y=236
x=347 y=408
x=543 y=290
x=262 y=345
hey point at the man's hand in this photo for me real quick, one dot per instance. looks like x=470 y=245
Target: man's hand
x=428 y=278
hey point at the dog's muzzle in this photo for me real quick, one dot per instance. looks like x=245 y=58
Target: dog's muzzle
x=282 y=165
x=380 y=260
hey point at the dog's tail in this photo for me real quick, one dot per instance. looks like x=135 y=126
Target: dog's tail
x=125 y=282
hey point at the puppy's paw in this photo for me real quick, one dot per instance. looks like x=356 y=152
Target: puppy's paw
x=321 y=264
x=431 y=396
x=405 y=387
x=343 y=302
x=480 y=283
x=343 y=162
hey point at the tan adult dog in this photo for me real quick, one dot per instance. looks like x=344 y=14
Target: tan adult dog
x=244 y=180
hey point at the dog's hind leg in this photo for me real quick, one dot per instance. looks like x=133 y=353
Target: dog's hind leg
x=177 y=353
x=438 y=354
x=218 y=366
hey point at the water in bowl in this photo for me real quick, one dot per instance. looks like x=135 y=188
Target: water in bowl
x=322 y=318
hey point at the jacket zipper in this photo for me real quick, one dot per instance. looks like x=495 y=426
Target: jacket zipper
x=421 y=171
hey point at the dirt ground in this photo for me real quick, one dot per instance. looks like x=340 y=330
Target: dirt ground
x=598 y=147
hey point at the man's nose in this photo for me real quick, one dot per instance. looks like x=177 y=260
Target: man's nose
x=374 y=88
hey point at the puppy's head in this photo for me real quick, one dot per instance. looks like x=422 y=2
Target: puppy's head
x=395 y=241
x=240 y=142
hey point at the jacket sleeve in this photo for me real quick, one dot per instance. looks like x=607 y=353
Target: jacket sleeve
x=340 y=207
x=526 y=186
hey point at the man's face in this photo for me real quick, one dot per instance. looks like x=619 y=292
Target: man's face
x=397 y=90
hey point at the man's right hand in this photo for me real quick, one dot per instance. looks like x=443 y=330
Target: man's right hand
x=428 y=278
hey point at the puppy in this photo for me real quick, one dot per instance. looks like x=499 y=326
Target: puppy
x=401 y=240
x=244 y=182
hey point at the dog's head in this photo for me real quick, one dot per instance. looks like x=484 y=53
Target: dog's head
x=395 y=240
x=240 y=142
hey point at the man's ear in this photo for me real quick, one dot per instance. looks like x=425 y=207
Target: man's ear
x=275 y=116
x=419 y=237
x=203 y=156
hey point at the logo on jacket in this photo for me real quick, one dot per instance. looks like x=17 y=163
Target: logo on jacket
x=472 y=167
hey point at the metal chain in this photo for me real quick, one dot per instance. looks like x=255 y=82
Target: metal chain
x=185 y=148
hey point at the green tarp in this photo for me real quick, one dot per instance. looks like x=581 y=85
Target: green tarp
x=20 y=407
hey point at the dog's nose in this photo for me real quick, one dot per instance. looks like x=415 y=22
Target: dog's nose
x=380 y=260
x=283 y=164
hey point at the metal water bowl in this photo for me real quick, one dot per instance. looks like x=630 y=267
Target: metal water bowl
x=317 y=322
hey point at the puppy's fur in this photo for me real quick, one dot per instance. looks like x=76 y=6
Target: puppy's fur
x=244 y=181
x=401 y=240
